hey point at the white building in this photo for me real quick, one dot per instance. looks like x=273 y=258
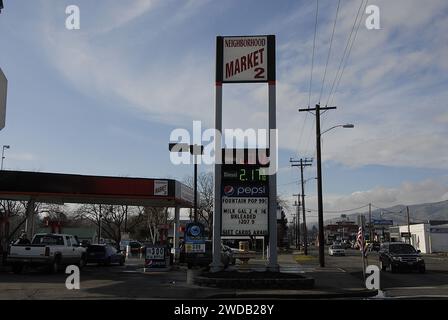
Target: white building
x=426 y=237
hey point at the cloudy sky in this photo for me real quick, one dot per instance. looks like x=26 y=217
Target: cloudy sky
x=104 y=99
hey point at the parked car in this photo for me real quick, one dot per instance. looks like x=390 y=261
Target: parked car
x=136 y=247
x=50 y=250
x=206 y=258
x=104 y=254
x=398 y=256
x=336 y=250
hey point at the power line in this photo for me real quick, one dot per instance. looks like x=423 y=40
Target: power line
x=301 y=133
x=398 y=213
x=314 y=48
x=345 y=52
x=341 y=211
x=288 y=183
x=329 y=51
x=389 y=211
x=326 y=65
x=308 y=148
x=348 y=55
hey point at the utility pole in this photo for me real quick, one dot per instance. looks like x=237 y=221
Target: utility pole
x=370 y=222
x=297 y=204
x=409 y=226
x=320 y=205
x=294 y=233
x=303 y=163
x=195 y=187
x=100 y=226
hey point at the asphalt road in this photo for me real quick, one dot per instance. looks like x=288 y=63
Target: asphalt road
x=434 y=283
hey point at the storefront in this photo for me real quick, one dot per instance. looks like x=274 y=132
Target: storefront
x=426 y=237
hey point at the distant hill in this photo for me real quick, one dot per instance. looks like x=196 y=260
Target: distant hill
x=418 y=213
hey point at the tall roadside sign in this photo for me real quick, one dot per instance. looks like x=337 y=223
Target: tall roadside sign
x=3 y=89
x=245 y=59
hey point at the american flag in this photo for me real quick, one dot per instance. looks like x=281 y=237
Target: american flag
x=360 y=240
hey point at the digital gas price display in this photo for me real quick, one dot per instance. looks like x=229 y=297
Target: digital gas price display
x=245 y=199
x=244 y=174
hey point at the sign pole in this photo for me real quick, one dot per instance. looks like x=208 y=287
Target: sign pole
x=176 y=234
x=217 y=265
x=3 y=92
x=272 y=264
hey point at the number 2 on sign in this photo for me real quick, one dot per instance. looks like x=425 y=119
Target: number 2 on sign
x=259 y=73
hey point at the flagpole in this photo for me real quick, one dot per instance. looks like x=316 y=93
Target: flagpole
x=361 y=242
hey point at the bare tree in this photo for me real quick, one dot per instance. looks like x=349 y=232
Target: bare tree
x=206 y=198
x=8 y=210
x=154 y=218
x=18 y=209
x=111 y=218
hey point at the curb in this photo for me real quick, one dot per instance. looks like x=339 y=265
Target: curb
x=306 y=296
x=299 y=283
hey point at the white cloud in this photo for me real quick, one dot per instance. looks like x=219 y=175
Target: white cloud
x=443 y=118
x=123 y=14
x=22 y=156
x=389 y=89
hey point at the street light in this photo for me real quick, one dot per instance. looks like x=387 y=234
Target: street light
x=319 y=187
x=3 y=154
x=346 y=126
x=195 y=150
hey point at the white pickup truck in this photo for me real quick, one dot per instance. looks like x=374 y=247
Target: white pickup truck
x=51 y=250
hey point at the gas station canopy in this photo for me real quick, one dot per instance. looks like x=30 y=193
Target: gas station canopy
x=70 y=188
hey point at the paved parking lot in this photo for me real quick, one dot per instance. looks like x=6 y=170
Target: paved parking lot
x=129 y=282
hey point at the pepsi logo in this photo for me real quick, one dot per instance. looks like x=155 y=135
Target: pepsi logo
x=229 y=190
